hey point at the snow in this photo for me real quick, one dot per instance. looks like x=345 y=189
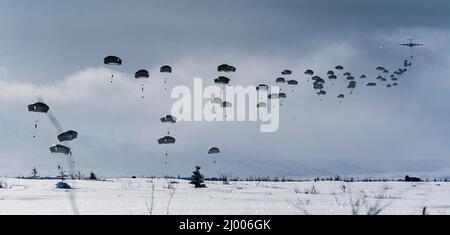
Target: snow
x=133 y=196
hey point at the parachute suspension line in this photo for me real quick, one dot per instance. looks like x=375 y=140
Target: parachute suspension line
x=142 y=89
x=411 y=51
x=165 y=84
x=35 y=128
x=166 y=156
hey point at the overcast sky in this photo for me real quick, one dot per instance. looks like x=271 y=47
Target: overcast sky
x=55 y=49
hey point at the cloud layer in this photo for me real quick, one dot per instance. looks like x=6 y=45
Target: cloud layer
x=371 y=132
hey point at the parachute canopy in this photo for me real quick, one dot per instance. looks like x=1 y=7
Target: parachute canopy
x=341 y=96
x=321 y=92
x=166 y=140
x=261 y=105
x=38 y=107
x=60 y=149
x=280 y=80
x=168 y=119
x=213 y=150
x=309 y=72
x=286 y=72
x=292 y=82
x=67 y=136
x=332 y=77
x=262 y=87
x=226 y=104
x=222 y=80
x=112 y=60
x=142 y=74
x=339 y=67
x=371 y=84
x=165 y=69
x=226 y=68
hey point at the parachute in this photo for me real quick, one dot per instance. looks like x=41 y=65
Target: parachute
x=165 y=69
x=261 y=105
x=262 y=87
x=292 y=83
x=226 y=104
x=280 y=80
x=112 y=61
x=38 y=107
x=60 y=149
x=321 y=92
x=370 y=84
x=168 y=119
x=286 y=72
x=339 y=67
x=67 y=136
x=222 y=80
x=318 y=86
x=213 y=151
x=142 y=75
x=332 y=77
x=166 y=140
x=309 y=72
x=347 y=74
x=363 y=76
x=317 y=78
x=226 y=68
x=330 y=73
x=341 y=96
x=351 y=86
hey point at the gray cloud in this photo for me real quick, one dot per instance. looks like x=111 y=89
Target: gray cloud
x=55 y=50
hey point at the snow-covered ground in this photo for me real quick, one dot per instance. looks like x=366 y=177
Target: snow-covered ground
x=134 y=196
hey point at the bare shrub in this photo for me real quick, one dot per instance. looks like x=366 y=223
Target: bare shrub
x=312 y=190
x=152 y=198
x=171 y=194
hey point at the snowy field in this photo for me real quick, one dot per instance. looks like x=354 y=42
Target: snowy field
x=134 y=196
